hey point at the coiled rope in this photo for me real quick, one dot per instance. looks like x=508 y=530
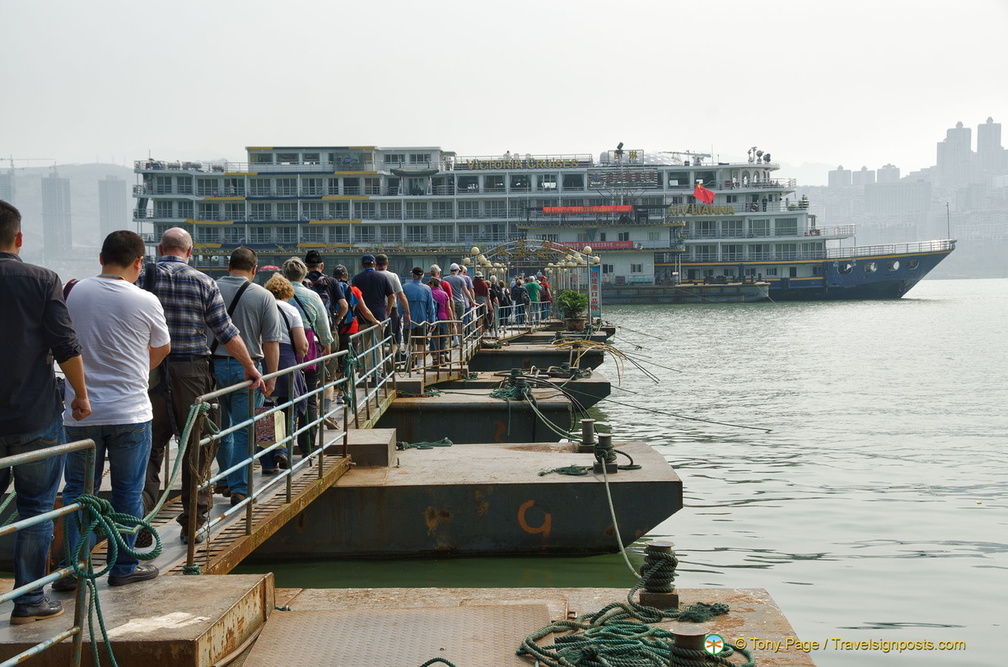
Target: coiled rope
x=98 y=517
x=622 y=633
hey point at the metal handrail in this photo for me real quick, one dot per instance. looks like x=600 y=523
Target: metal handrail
x=77 y=630
x=372 y=346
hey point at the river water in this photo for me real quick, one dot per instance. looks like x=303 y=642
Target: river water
x=849 y=458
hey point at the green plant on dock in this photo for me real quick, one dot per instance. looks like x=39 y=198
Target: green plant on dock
x=571 y=304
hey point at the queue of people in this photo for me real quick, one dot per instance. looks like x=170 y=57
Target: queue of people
x=137 y=344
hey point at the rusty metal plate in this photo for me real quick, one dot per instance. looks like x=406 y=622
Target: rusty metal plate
x=467 y=636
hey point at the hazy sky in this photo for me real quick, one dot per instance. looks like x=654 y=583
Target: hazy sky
x=857 y=82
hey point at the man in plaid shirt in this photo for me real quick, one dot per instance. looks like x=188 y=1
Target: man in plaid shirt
x=192 y=304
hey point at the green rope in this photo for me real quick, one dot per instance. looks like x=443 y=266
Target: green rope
x=577 y=471
x=443 y=442
x=97 y=516
x=433 y=660
x=192 y=569
x=509 y=393
x=623 y=634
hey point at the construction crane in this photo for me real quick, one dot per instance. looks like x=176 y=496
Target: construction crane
x=12 y=159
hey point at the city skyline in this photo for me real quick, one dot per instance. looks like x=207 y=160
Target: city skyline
x=858 y=84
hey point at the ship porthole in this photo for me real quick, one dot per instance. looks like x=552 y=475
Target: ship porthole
x=871 y=267
x=845 y=267
x=894 y=265
x=913 y=264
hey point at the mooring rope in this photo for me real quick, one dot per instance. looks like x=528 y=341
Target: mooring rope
x=622 y=634
x=98 y=517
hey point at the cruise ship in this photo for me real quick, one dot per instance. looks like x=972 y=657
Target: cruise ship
x=656 y=227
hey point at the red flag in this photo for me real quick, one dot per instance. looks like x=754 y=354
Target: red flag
x=703 y=194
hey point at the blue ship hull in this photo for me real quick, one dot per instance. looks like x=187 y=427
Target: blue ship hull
x=883 y=276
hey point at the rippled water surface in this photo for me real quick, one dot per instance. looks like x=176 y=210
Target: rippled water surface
x=866 y=493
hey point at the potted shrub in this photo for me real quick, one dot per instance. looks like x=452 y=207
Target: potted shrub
x=573 y=307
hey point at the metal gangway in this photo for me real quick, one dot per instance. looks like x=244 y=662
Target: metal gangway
x=372 y=367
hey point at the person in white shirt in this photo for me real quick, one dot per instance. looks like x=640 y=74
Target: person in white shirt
x=123 y=334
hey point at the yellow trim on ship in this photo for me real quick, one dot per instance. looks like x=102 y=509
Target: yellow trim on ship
x=210 y=222
x=346 y=197
x=224 y=199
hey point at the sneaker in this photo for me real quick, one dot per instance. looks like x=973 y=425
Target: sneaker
x=237 y=498
x=65 y=584
x=269 y=471
x=200 y=536
x=222 y=489
x=40 y=611
x=331 y=423
x=143 y=572
x=282 y=462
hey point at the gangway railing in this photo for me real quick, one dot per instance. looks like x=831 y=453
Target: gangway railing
x=367 y=386
x=76 y=632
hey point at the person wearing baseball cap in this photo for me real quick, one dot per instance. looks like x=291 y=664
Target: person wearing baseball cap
x=375 y=287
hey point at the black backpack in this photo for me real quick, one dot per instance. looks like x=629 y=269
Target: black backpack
x=320 y=286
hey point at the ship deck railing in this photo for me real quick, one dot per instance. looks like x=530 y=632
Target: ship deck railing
x=938 y=245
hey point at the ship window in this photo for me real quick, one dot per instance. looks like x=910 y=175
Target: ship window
x=573 y=182
x=263 y=158
x=339 y=234
x=894 y=265
x=286 y=187
x=419 y=158
x=338 y=210
x=443 y=233
x=261 y=234
x=624 y=236
x=845 y=267
x=871 y=267
x=520 y=183
x=913 y=264
x=312 y=158
x=394 y=158
x=287 y=158
x=772 y=272
x=547 y=181
x=607 y=268
x=636 y=268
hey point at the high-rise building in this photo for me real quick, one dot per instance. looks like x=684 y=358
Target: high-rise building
x=888 y=174
x=7 y=187
x=864 y=176
x=112 y=206
x=839 y=177
x=990 y=154
x=57 y=239
x=954 y=152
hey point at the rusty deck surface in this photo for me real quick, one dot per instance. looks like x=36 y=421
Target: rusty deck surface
x=432 y=619
x=167 y=621
x=479 y=499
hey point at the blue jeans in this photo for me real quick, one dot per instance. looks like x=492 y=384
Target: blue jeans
x=234 y=410
x=36 y=485
x=127 y=447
